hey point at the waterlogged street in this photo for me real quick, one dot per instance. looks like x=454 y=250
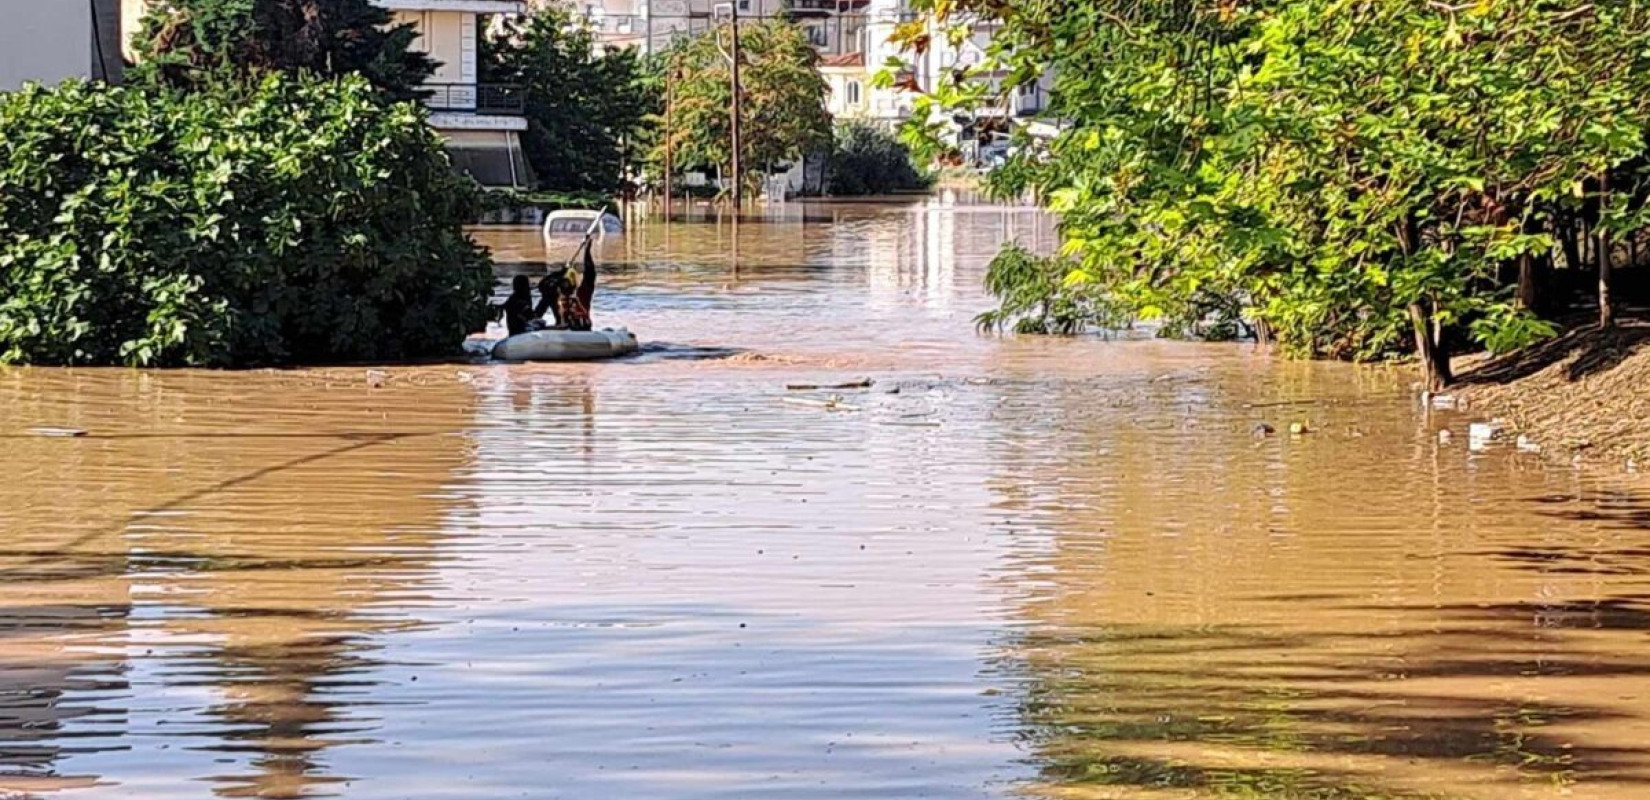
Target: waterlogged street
x=1011 y=568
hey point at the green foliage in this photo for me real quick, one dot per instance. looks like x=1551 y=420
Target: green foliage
x=1036 y=294
x=1504 y=330
x=498 y=199
x=190 y=44
x=293 y=221
x=784 y=116
x=870 y=160
x=1329 y=167
x=586 y=107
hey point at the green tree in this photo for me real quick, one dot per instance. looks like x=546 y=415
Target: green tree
x=296 y=220
x=869 y=160
x=586 y=106
x=1356 y=178
x=783 y=117
x=191 y=43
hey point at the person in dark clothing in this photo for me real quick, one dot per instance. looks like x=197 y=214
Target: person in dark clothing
x=568 y=294
x=517 y=310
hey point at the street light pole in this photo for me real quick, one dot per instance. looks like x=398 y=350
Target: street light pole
x=738 y=175
x=671 y=78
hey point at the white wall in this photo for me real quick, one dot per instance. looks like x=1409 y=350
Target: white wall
x=44 y=41
x=841 y=101
x=450 y=38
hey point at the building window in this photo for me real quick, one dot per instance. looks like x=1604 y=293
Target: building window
x=817 y=35
x=853 y=93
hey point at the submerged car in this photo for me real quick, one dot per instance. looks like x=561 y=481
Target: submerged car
x=580 y=223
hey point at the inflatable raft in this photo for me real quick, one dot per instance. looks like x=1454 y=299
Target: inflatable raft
x=566 y=345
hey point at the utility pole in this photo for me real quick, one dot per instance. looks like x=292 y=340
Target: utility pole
x=738 y=175
x=671 y=77
x=647 y=8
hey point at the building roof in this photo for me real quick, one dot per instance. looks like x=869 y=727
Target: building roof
x=843 y=60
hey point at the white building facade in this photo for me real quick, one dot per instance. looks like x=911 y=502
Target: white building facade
x=481 y=122
x=854 y=40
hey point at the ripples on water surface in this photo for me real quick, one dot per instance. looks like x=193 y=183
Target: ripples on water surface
x=1055 y=569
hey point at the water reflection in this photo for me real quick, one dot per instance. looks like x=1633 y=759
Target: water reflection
x=199 y=586
x=1010 y=568
x=1327 y=616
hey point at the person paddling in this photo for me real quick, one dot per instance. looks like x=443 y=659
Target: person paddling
x=568 y=294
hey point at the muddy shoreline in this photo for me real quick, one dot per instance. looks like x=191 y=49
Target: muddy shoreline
x=1583 y=396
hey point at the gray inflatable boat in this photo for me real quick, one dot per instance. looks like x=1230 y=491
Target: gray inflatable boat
x=566 y=345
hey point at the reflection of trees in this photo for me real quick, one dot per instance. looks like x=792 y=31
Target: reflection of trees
x=1353 y=616
x=276 y=523
x=541 y=413
x=62 y=610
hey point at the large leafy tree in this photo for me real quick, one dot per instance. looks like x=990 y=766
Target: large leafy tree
x=1357 y=178
x=293 y=220
x=586 y=106
x=191 y=43
x=783 y=116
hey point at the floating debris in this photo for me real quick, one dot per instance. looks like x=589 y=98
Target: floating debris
x=1262 y=431
x=1528 y=445
x=862 y=383
x=1299 y=429
x=1481 y=434
x=1281 y=403
x=1444 y=436
x=376 y=378
x=829 y=404
x=58 y=433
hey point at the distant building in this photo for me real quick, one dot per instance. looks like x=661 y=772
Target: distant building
x=854 y=40
x=481 y=123
x=48 y=41
x=652 y=25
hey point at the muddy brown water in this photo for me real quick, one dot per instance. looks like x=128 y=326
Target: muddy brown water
x=1047 y=569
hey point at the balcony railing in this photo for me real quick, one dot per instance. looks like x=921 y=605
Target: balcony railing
x=829 y=6
x=478 y=98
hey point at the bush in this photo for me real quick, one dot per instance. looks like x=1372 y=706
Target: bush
x=287 y=221
x=1037 y=294
x=869 y=160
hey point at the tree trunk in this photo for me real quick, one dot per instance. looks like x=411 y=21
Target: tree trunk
x=1527 y=298
x=1606 y=304
x=1528 y=292
x=1572 y=248
x=1434 y=358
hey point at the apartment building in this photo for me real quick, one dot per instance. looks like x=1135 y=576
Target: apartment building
x=480 y=122
x=854 y=40
x=652 y=25
x=48 y=42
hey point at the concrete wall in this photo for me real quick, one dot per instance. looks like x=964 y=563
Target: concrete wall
x=44 y=41
x=450 y=38
x=131 y=21
x=844 y=102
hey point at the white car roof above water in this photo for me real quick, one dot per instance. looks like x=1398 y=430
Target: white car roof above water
x=577 y=222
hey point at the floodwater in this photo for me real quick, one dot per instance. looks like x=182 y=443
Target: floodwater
x=1041 y=569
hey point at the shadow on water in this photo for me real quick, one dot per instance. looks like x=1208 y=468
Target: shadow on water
x=208 y=600
x=1207 y=710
